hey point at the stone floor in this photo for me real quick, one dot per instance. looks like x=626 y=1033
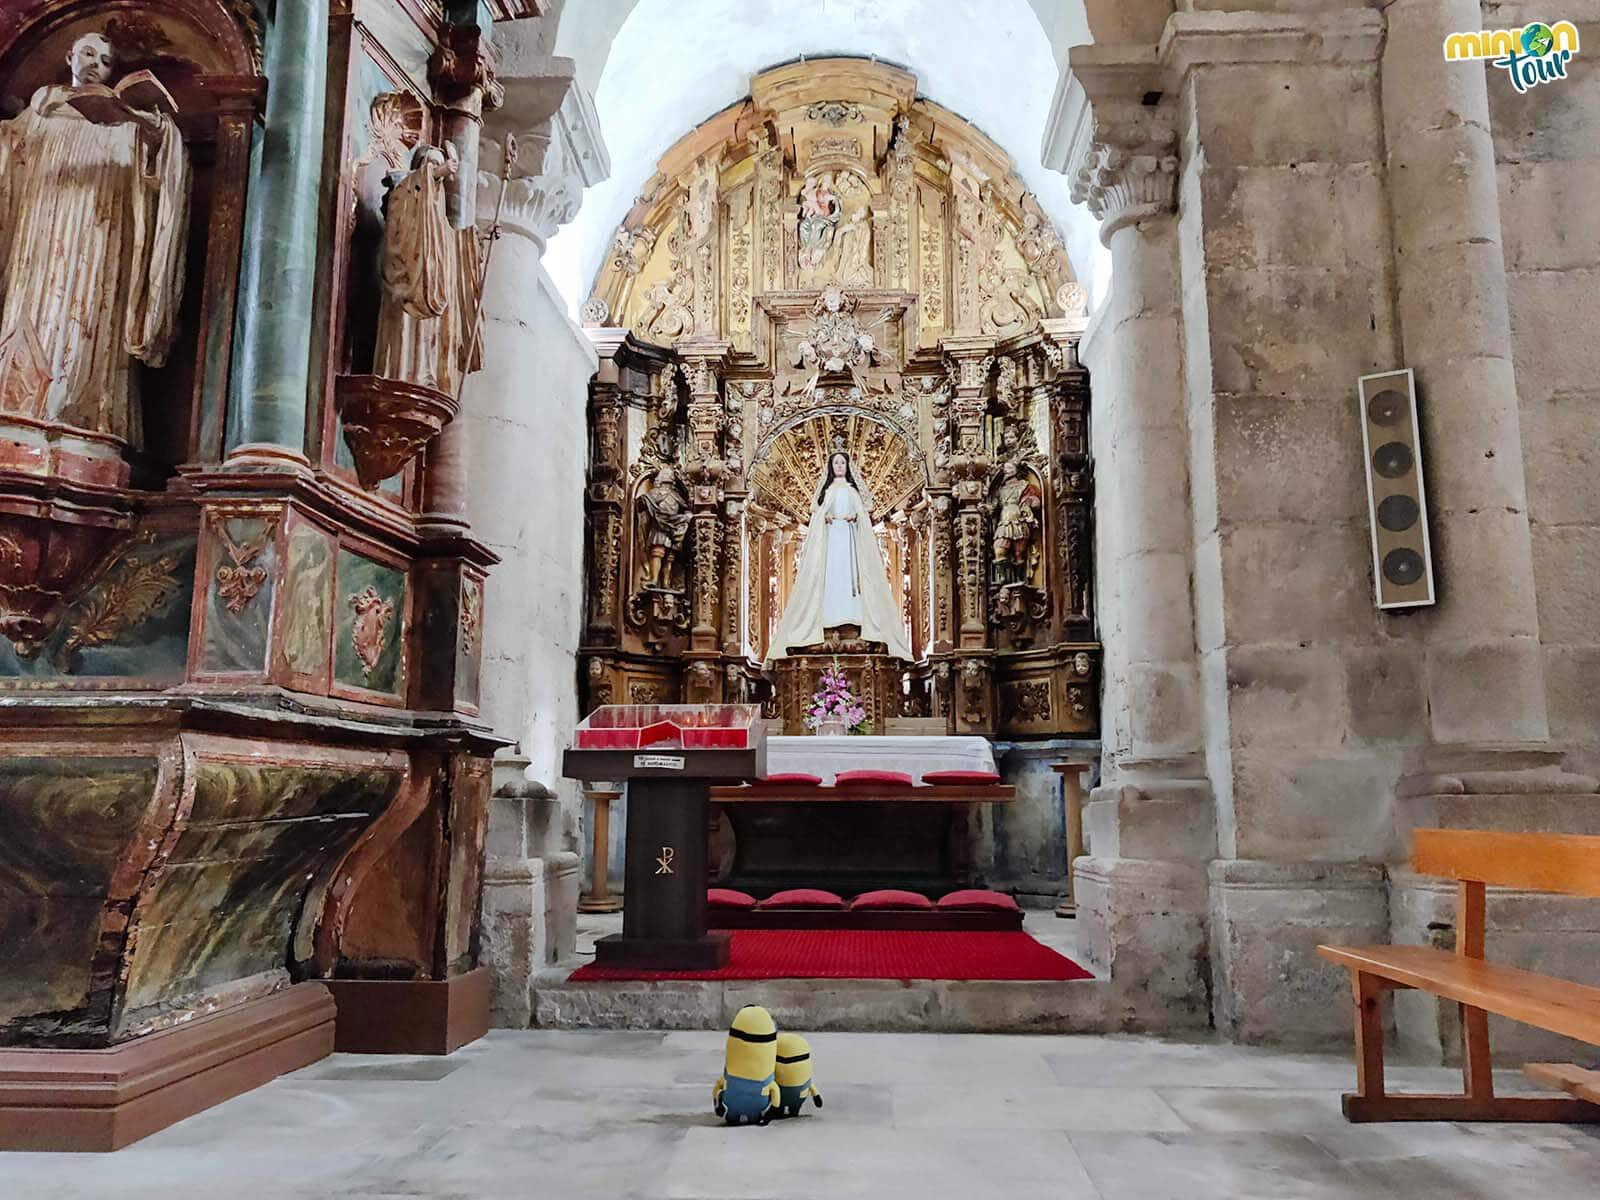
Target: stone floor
x=528 y=1115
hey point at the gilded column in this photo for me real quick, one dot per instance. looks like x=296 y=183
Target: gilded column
x=272 y=331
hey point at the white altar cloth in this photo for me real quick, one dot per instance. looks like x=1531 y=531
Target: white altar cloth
x=827 y=756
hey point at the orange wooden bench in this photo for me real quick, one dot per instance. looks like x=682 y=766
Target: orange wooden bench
x=1558 y=863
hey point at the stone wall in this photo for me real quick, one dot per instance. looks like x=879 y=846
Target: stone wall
x=1547 y=158
x=1337 y=207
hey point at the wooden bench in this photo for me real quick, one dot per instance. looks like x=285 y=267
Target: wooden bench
x=1557 y=863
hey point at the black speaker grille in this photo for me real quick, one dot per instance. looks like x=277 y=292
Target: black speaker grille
x=1396 y=513
x=1402 y=567
x=1392 y=459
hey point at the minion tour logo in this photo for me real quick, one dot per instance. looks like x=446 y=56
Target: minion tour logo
x=1535 y=54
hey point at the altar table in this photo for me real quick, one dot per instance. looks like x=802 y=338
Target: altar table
x=827 y=756
x=856 y=839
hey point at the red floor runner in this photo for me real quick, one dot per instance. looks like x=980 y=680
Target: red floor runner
x=869 y=954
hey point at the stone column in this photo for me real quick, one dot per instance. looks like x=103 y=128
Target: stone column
x=272 y=330
x=1311 y=696
x=1485 y=676
x=1141 y=888
x=1488 y=764
x=523 y=418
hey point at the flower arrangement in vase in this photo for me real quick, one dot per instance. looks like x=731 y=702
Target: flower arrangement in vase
x=834 y=709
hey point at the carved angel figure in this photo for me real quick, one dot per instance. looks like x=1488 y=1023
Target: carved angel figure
x=1006 y=307
x=94 y=214
x=1016 y=526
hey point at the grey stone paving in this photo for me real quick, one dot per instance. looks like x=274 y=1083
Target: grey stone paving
x=559 y=1114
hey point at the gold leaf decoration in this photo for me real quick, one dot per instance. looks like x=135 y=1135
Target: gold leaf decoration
x=134 y=591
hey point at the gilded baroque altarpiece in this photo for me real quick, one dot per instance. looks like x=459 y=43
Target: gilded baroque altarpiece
x=838 y=263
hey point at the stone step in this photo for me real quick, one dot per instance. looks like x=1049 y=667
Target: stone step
x=861 y=1005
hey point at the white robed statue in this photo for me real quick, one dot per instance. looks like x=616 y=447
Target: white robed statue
x=94 y=209
x=841 y=579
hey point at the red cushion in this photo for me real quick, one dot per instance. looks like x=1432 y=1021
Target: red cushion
x=728 y=898
x=802 y=898
x=960 y=777
x=978 y=898
x=891 y=898
x=794 y=777
x=847 y=777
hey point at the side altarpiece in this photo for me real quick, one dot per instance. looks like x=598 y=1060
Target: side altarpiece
x=838 y=263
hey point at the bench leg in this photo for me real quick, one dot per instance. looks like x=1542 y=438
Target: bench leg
x=1370 y=1102
x=1477 y=1072
x=1368 y=992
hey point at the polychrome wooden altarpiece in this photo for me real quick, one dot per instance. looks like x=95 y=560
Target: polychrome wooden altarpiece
x=240 y=744
x=837 y=263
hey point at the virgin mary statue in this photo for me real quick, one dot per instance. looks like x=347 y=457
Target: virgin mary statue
x=841 y=579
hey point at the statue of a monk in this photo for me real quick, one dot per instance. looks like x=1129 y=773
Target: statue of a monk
x=430 y=280
x=94 y=213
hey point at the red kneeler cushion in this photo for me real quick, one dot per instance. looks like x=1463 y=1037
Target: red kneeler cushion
x=802 y=898
x=794 y=777
x=890 y=898
x=728 y=898
x=978 y=898
x=960 y=777
x=848 y=777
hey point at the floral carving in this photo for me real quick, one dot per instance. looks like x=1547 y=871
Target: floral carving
x=370 y=632
x=239 y=581
x=834 y=112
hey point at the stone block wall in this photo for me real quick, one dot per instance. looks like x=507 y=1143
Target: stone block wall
x=1547 y=158
x=1342 y=202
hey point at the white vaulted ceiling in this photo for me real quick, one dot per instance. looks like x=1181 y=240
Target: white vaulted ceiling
x=660 y=67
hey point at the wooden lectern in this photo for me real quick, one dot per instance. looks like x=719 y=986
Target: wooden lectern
x=669 y=755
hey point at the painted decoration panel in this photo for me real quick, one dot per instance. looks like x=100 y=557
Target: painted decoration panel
x=308 y=608
x=66 y=824
x=369 y=650
x=225 y=905
x=240 y=593
x=133 y=623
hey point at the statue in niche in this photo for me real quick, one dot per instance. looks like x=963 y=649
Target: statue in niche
x=430 y=276
x=855 y=249
x=841 y=586
x=820 y=210
x=664 y=517
x=1016 y=527
x=94 y=214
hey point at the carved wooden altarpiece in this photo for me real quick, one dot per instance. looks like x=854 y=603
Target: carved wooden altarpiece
x=839 y=263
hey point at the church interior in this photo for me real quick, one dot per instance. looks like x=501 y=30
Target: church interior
x=1050 y=548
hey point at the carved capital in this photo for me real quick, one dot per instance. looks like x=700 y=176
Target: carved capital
x=551 y=119
x=1111 y=134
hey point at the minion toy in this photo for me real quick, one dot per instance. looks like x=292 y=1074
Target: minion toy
x=747 y=1089
x=794 y=1075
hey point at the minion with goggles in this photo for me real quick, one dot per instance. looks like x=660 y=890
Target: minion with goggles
x=747 y=1089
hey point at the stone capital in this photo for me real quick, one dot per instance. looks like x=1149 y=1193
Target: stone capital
x=550 y=118
x=1111 y=134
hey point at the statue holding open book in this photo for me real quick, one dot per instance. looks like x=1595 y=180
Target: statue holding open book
x=94 y=209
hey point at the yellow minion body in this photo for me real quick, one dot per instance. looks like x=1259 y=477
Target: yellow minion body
x=793 y=1073
x=747 y=1089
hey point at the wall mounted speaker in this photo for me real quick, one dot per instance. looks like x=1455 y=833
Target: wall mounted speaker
x=1397 y=500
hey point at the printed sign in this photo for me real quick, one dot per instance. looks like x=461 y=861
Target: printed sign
x=659 y=762
x=1535 y=54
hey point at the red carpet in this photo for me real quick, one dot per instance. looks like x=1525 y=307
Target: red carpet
x=869 y=954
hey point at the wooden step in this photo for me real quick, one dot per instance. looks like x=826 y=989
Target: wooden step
x=1569 y=1077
